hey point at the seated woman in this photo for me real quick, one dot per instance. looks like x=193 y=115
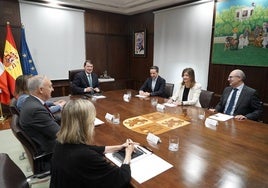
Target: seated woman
x=76 y=161
x=21 y=93
x=189 y=90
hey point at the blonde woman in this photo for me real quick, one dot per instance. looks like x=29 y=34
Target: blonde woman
x=189 y=90
x=78 y=163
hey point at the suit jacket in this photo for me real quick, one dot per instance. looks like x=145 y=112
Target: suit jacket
x=193 y=95
x=38 y=124
x=80 y=82
x=159 y=89
x=248 y=103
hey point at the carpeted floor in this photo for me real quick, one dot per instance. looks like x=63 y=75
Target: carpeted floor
x=10 y=145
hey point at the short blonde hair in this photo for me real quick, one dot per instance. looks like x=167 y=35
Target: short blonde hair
x=77 y=122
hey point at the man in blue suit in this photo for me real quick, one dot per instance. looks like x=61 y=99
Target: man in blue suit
x=245 y=104
x=86 y=81
x=154 y=85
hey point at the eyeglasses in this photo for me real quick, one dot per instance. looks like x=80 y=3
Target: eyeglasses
x=230 y=77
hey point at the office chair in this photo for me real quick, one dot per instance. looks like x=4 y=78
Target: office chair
x=72 y=73
x=11 y=175
x=13 y=107
x=205 y=98
x=38 y=161
x=169 y=90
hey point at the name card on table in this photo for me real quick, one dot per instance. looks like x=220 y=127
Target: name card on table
x=153 y=138
x=210 y=122
x=160 y=107
x=109 y=117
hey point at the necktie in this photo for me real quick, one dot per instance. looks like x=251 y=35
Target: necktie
x=231 y=103
x=89 y=80
x=45 y=105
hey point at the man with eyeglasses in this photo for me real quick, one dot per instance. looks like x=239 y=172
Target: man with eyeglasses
x=239 y=100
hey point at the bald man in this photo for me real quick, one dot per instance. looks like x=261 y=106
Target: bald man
x=246 y=102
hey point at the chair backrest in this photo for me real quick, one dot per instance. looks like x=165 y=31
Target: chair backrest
x=72 y=73
x=169 y=90
x=11 y=175
x=205 y=98
x=36 y=159
x=13 y=107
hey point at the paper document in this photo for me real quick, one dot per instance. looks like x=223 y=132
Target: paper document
x=140 y=96
x=170 y=104
x=98 y=122
x=221 y=117
x=98 y=96
x=145 y=166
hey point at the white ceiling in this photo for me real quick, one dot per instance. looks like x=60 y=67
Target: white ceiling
x=127 y=7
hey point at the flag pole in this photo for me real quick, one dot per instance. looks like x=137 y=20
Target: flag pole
x=1 y=111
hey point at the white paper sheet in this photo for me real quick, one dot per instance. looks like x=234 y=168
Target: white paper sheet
x=98 y=96
x=140 y=96
x=170 y=104
x=221 y=117
x=145 y=166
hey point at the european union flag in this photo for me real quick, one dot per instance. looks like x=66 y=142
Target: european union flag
x=27 y=63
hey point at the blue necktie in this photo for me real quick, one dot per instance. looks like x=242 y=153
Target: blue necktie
x=231 y=103
x=89 y=80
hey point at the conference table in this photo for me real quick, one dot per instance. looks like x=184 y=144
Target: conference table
x=233 y=154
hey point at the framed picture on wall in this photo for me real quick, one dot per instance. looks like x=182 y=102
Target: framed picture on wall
x=241 y=33
x=139 y=43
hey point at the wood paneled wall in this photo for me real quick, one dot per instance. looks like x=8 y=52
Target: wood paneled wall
x=107 y=43
x=139 y=66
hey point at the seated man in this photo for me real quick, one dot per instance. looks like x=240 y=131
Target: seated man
x=154 y=85
x=35 y=118
x=86 y=81
x=21 y=94
x=239 y=100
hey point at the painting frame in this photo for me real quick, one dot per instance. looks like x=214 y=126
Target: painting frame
x=139 y=43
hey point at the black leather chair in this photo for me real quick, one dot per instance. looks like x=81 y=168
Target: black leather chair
x=169 y=90
x=205 y=98
x=11 y=176
x=39 y=162
x=72 y=73
x=13 y=107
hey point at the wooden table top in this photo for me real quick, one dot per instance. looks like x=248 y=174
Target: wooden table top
x=232 y=154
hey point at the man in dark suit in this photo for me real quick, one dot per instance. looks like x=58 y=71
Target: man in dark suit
x=86 y=81
x=245 y=103
x=154 y=85
x=35 y=118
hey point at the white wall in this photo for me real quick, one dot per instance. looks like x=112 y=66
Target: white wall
x=182 y=37
x=55 y=37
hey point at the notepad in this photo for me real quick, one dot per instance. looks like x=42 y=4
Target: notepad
x=145 y=166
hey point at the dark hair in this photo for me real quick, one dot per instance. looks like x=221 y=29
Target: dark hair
x=87 y=61
x=190 y=72
x=155 y=68
x=21 y=85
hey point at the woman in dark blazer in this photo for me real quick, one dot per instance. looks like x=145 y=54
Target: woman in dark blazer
x=76 y=161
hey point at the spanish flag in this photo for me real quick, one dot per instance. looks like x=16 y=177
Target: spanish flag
x=4 y=92
x=11 y=60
